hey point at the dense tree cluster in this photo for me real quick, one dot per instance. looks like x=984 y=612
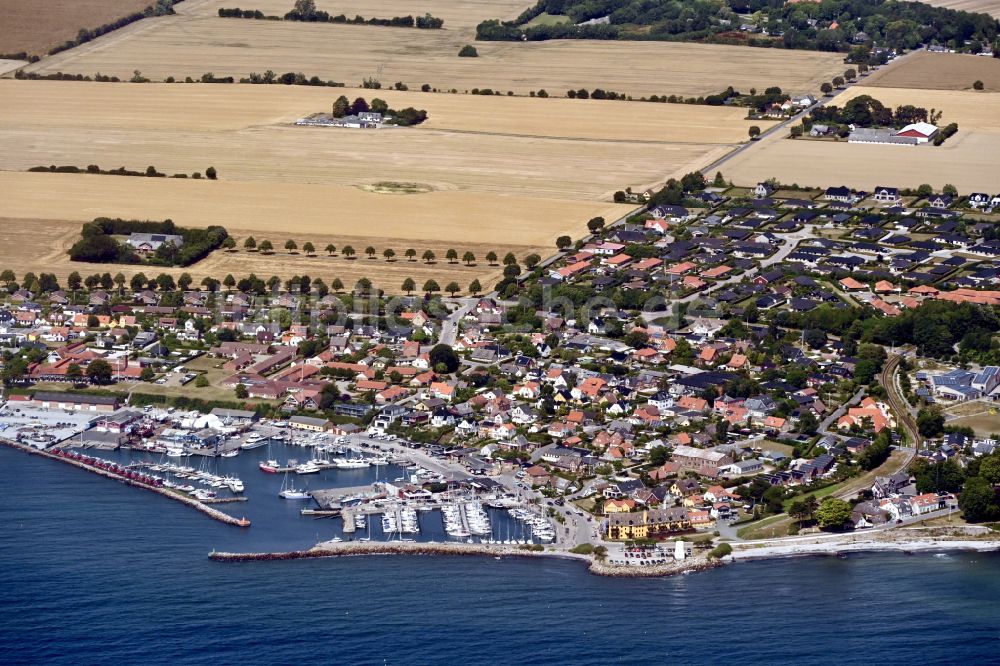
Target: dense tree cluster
x=866 y=111
x=150 y=171
x=97 y=242
x=406 y=117
x=828 y=25
x=305 y=10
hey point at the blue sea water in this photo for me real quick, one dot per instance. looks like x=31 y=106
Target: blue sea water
x=92 y=571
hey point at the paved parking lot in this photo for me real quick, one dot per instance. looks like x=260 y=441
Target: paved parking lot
x=42 y=427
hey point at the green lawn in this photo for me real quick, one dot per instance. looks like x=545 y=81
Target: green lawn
x=548 y=19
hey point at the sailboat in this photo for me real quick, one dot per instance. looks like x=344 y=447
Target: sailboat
x=289 y=492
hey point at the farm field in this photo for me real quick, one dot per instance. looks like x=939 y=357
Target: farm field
x=991 y=7
x=505 y=150
x=967 y=160
x=34 y=27
x=189 y=44
x=41 y=214
x=40 y=245
x=940 y=71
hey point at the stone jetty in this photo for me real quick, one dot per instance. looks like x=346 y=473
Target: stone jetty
x=135 y=483
x=363 y=548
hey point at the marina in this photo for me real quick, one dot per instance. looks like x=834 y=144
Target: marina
x=310 y=487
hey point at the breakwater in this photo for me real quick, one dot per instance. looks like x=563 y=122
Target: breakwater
x=358 y=548
x=134 y=480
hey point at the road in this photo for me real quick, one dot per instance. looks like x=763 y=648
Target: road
x=450 y=326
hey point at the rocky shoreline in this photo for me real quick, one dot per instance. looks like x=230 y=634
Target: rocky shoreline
x=357 y=549
x=215 y=514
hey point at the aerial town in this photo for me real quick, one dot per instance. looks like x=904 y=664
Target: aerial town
x=474 y=331
x=748 y=362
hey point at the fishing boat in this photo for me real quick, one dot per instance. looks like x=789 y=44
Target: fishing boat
x=269 y=466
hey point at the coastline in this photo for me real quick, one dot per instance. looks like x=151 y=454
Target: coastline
x=923 y=544
x=213 y=513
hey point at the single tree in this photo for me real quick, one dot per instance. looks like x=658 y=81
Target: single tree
x=291 y=245
x=826 y=89
x=453 y=288
x=978 y=85
x=431 y=286
x=308 y=248
x=210 y=173
x=595 y=224
x=509 y=259
x=266 y=247
x=363 y=286
x=409 y=285
x=74 y=281
x=451 y=255
x=838 y=81
x=184 y=281
x=330 y=249
x=250 y=244
x=468 y=258
x=754 y=132
x=229 y=244
x=491 y=258
x=410 y=254
x=99 y=371
x=137 y=283
x=370 y=251
x=165 y=282
x=120 y=281
x=833 y=513
x=388 y=253
x=428 y=256
x=532 y=260
x=74 y=372
x=348 y=252
x=241 y=392
x=563 y=242
x=475 y=287
x=337 y=285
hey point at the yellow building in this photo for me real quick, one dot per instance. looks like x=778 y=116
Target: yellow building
x=647 y=524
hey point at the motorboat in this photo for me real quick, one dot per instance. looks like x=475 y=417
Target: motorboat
x=352 y=463
x=269 y=466
x=254 y=442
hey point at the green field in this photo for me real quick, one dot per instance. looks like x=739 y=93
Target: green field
x=548 y=19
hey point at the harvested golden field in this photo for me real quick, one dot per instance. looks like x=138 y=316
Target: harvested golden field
x=939 y=71
x=40 y=246
x=300 y=209
x=190 y=45
x=551 y=148
x=35 y=27
x=991 y=7
x=967 y=160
